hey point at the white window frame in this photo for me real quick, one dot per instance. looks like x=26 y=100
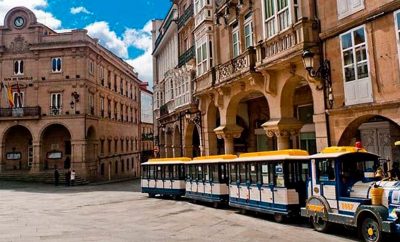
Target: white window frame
x=397 y=32
x=91 y=67
x=349 y=8
x=15 y=99
x=236 y=42
x=248 y=23
x=56 y=70
x=201 y=59
x=355 y=63
x=276 y=17
x=19 y=72
x=102 y=104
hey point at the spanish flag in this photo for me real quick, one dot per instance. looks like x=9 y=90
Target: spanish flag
x=10 y=97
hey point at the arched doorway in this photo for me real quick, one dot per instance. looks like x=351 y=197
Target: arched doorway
x=250 y=110
x=18 y=149
x=196 y=143
x=215 y=146
x=376 y=133
x=297 y=107
x=56 y=147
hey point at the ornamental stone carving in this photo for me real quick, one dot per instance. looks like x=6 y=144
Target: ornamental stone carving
x=19 y=45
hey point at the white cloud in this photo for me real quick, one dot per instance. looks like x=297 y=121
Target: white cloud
x=80 y=9
x=136 y=38
x=108 y=38
x=37 y=7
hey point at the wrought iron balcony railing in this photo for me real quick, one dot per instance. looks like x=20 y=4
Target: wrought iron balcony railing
x=237 y=66
x=185 y=16
x=20 y=112
x=55 y=110
x=186 y=57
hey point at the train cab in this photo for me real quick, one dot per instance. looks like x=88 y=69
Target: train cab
x=349 y=187
x=272 y=182
x=207 y=179
x=164 y=177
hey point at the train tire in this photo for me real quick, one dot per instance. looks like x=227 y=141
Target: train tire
x=370 y=231
x=320 y=225
x=279 y=218
x=152 y=195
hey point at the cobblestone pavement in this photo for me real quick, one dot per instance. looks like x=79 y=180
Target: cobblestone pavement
x=118 y=212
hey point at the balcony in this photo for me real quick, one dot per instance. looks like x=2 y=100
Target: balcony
x=236 y=67
x=205 y=81
x=186 y=57
x=25 y=112
x=286 y=45
x=185 y=16
x=163 y=110
x=55 y=111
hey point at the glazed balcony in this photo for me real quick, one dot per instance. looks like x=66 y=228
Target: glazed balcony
x=236 y=67
x=20 y=113
x=185 y=16
x=287 y=45
x=186 y=57
x=205 y=14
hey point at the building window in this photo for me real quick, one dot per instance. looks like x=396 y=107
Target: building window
x=122 y=165
x=115 y=146
x=397 y=25
x=101 y=75
x=56 y=64
x=102 y=106
x=101 y=146
x=348 y=7
x=116 y=167
x=235 y=41
x=91 y=67
x=201 y=56
x=91 y=104
x=55 y=103
x=277 y=18
x=248 y=32
x=109 y=146
x=357 y=80
x=18 y=99
x=18 y=67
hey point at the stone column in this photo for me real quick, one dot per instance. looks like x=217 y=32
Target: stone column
x=1 y=157
x=176 y=150
x=321 y=132
x=78 y=149
x=210 y=143
x=168 y=151
x=36 y=157
x=282 y=129
x=228 y=133
x=188 y=151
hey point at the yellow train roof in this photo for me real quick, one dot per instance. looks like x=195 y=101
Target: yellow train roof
x=183 y=159
x=290 y=152
x=341 y=149
x=397 y=143
x=215 y=157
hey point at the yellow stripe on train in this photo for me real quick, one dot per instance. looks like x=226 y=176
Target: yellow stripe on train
x=290 y=152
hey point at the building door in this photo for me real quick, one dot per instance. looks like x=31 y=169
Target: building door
x=376 y=138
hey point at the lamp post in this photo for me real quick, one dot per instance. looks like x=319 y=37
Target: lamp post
x=323 y=73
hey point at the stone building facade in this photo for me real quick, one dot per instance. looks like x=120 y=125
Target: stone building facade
x=77 y=105
x=146 y=123
x=175 y=110
x=361 y=39
x=254 y=91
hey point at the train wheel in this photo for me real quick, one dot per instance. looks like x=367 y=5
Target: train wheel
x=370 y=230
x=320 y=225
x=279 y=218
x=152 y=195
x=215 y=204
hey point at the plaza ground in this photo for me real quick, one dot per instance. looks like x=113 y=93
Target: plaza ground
x=119 y=212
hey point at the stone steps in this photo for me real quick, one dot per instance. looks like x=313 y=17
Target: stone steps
x=42 y=177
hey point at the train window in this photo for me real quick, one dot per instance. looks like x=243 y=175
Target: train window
x=253 y=173
x=326 y=170
x=233 y=173
x=151 y=172
x=167 y=172
x=175 y=174
x=279 y=175
x=214 y=172
x=199 y=172
x=206 y=172
x=305 y=171
x=243 y=172
x=144 y=172
x=222 y=173
x=264 y=173
x=181 y=172
x=159 y=173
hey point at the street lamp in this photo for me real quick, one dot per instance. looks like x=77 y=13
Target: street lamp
x=323 y=74
x=75 y=100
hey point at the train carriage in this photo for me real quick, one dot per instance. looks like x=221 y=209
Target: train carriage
x=207 y=179
x=271 y=182
x=347 y=188
x=164 y=177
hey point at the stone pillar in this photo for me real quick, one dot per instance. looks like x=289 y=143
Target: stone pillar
x=36 y=157
x=321 y=132
x=78 y=161
x=176 y=151
x=1 y=157
x=228 y=132
x=188 y=151
x=210 y=143
x=282 y=129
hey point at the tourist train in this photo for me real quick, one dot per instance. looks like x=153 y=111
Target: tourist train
x=342 y=185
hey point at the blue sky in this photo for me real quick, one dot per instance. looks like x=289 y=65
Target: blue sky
x=121 y=25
